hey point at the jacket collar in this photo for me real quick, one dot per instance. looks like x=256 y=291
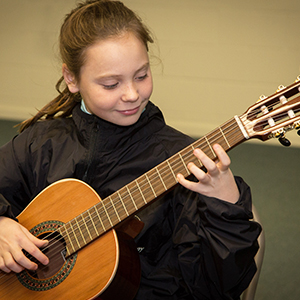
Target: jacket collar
x=150 y=122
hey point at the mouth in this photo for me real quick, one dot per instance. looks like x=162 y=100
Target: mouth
x=129 y=112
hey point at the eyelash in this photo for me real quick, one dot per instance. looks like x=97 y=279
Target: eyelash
x=142 y=77
x=111 y=87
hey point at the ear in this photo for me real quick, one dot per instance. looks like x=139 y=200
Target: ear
x=70 y=79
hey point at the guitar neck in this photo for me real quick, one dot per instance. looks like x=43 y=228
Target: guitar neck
x=142 y=191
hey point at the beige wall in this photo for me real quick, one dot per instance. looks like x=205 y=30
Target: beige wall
x=218 y=56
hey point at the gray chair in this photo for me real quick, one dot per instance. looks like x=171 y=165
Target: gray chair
x=249 y=293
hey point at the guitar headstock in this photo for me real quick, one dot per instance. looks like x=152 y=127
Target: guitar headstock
x=273 y=116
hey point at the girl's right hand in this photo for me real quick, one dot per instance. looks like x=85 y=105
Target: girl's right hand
x=13 y=239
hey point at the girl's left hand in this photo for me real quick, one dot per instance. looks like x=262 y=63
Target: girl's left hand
x=218 y=181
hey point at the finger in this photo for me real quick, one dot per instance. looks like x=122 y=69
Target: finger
x=32 y=247
x=193 y=186
x=209 y=164
x=11 y=262
x=198 y=173
x=39 y=255
x=223 y=159
x=3 y=266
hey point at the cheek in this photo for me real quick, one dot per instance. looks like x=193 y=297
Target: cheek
x=104 y=102
x=148 y=89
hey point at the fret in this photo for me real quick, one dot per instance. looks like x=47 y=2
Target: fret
x=97 y=220
x=211 y=149
x=116 y=212
x=106 y=213
x=156 y=184
x=133 y=202
x=220 y=138
x=225 y=139
x=73 y=235
x=78 y=237
x=124 y=206
x=127 y=200
x=80 y=231
x=93 y=223
x=86 y=230
x=184 y=164
x=110 y=211
x=145 y=188
x=233 y=132
x=67 y=239
x=145 y=201
x=136 y=195
x=160 y=178
x=99 y=217
x=198 y=160
x=150 y=185
x=172 y=171
x=167 y=176
x=175 y=163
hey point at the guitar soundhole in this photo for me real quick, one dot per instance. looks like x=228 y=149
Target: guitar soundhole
x=59 y=267
x=56 y=252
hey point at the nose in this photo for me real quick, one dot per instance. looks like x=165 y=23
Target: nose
x=130 y=92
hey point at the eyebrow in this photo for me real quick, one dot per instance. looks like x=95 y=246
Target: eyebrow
x=108 y=76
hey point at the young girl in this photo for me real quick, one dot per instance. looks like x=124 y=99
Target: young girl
x=198 y=241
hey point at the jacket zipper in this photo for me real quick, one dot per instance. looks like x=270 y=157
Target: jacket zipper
x=91 y=151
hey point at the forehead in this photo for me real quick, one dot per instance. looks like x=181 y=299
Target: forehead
x=116 y=50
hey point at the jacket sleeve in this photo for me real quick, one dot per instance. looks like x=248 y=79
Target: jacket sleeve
x=14 y=190
x=216 y=243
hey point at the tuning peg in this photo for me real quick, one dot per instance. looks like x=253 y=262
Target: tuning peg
x=284 y=141
x=280 y=88
x=297 y=126
x=261 y=98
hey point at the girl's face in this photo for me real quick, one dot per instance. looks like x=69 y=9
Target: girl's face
x=115 y=80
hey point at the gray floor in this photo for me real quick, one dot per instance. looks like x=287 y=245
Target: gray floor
x=273 y=174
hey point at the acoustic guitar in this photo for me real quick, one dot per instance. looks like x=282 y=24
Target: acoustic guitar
x=91 y=250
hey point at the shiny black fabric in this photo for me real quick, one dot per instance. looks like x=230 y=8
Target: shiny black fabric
x=192 y=247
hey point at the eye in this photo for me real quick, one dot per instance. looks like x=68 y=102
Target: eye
x=110 y=86
x=142 y=77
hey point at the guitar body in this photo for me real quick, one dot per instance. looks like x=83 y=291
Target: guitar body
x=103 y=269
x=91 y=256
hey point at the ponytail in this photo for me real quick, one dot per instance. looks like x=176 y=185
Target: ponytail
x=61 y=106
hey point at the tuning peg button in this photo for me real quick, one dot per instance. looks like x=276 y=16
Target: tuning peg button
x=284 y=141
x=280 y=88
x=261 y=98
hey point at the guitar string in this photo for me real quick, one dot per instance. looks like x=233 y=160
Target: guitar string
x=109 y=202
x=104 y=204
x=123 y=197
x=272 y=105
x=168 y=168
x=218 y=134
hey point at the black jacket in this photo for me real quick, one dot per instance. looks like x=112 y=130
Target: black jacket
x=192 y=247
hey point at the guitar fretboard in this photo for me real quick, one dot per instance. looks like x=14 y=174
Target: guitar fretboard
x=137 y=194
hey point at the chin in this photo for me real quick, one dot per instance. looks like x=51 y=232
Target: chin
x=128 y=121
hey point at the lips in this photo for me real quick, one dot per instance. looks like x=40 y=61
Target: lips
x=129 y=112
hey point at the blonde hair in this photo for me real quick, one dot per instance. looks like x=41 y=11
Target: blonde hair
x=90 y=22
